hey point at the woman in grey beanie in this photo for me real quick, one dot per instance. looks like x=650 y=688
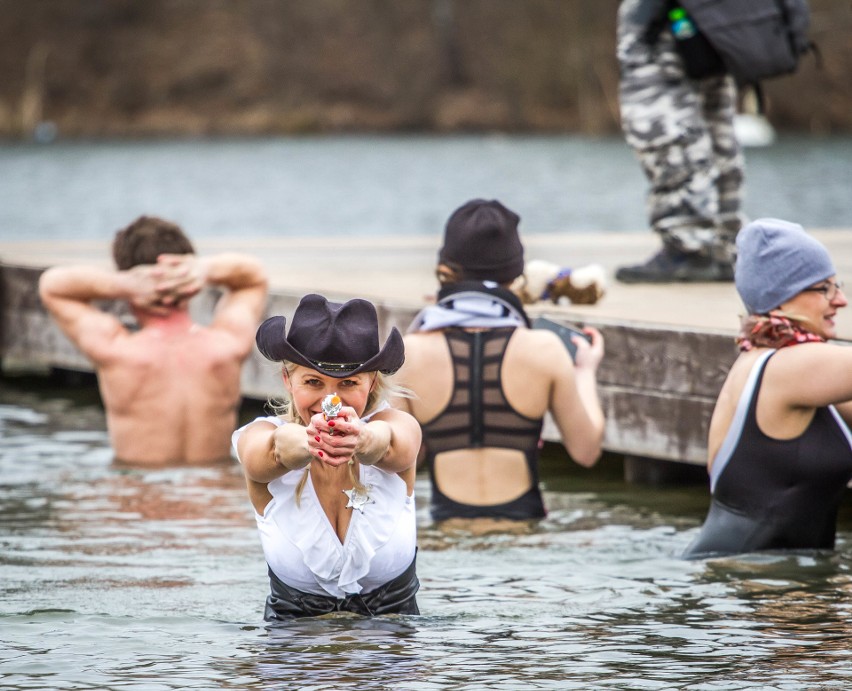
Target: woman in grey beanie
x=779 y=448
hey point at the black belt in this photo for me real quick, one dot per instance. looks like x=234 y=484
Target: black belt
x=394 y=597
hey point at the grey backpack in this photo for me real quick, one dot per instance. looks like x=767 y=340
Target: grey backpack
x=756 y=39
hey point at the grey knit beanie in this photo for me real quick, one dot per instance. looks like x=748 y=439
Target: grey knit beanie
x=776 y=260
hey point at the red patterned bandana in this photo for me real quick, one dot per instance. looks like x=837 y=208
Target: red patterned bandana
x=772 y=331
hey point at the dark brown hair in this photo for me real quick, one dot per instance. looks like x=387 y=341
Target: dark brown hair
x=147 y=238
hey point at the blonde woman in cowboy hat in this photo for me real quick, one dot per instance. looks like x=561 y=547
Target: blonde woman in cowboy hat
x=332 y=478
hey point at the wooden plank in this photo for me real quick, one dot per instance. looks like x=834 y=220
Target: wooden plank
x=689 y=362
x=657 y=384
x=27 y=333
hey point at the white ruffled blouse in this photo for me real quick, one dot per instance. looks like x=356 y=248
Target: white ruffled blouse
x=303 y=550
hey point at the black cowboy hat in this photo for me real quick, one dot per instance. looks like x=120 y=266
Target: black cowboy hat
x=333 y=338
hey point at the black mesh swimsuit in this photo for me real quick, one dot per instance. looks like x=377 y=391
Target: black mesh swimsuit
x=478 y=415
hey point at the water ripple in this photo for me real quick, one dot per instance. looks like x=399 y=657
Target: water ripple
x=113 y=577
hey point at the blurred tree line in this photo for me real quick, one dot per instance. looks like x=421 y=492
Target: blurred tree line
x=92 y=68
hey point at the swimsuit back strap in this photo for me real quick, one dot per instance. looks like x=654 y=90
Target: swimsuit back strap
x=729 y=444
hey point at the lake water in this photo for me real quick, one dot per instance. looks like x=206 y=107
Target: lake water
x=115 y=578
x=400 y=185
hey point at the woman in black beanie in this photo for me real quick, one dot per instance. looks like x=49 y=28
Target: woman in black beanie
x=484 y=380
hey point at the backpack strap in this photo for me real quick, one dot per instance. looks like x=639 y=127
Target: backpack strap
x=656 y=22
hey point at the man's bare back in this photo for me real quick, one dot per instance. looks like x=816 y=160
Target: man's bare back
x=171 y=389
x=171 y=395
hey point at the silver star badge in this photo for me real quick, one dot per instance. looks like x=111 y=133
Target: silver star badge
x=358 y=499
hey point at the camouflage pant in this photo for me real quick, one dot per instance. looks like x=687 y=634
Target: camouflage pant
x=683 y=134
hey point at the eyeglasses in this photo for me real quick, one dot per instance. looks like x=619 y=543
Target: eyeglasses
x=829 y=289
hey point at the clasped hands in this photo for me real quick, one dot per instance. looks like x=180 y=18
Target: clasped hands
x=159 y=287
x=335 y=441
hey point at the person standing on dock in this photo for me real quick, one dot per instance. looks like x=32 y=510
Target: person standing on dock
x=780 y=448
x=678 y=117
x=171 y=388
x=484 y=380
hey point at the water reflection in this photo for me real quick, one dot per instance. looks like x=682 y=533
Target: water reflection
x=117 y=577
x=340 y=651
x=799 y=604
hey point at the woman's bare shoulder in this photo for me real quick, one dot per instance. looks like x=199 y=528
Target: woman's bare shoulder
x=538 y=348
x=423 y=345
x=538 y=338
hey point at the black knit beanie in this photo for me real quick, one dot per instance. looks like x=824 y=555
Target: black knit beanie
x=481 y=238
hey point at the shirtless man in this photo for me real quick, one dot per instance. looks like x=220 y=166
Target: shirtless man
x=170 y=388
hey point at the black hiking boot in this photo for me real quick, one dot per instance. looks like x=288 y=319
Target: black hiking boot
x=671 y=266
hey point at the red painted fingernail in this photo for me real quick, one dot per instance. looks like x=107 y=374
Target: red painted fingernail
x=319 y=453
x=317 y=438
x=331 y=423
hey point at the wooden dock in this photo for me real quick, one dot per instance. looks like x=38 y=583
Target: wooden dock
x=668 y=347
